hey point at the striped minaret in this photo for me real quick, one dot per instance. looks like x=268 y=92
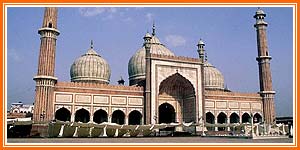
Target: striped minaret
x=263 y=59
x=202 y=59
x=147 y=43
x=45 y=80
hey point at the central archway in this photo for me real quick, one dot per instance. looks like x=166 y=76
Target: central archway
x=179 y=89
x=166 y=113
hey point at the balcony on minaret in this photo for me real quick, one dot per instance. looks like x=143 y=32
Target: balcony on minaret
x=258 y=58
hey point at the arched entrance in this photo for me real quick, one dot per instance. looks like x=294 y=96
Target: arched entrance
x=100 y=116
x=179 y=89
x=135 y=118
x=63 y=114
x=234 y=118
x=118 y=117
x=222 y=119
x=257 y=118
x=210 y=118
x=246 y=118
x=82 y=115
x=166 y=113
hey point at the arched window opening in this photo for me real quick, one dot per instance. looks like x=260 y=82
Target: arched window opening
x=234 y=118
x=118 y=117
x=166 y=113
x=135 y=118
x=100 y=116
x=210 y=118
x=50 y=25
x=63 y=114
x=246 y=118
x=257 y=118
x=222 y=119
x=82 y=115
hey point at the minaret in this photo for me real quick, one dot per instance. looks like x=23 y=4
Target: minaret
x=201 y=52
x=147 y=44
x=263 y=59
x=45 y=80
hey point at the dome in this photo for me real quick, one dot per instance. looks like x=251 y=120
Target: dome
x=259 y=12
x=90 y=67
x=201 y=42
x=213 y=78
x=137 y=63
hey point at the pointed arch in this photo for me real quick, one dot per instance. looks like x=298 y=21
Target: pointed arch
x=100 y=116
x=82 y=115
x=63 y=114
x=182 y=90
x=135 y=118
x=222 y=119
x=257 y=118
x=210 y=118
x=166 y=113
x=178 y=85
x=234 y=118
x=246 y=118
x=118 y=117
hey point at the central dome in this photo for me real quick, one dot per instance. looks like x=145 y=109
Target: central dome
x=90 y=67
x=137 y=63
x=213 y=78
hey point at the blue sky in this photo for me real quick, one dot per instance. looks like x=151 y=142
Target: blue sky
x=117 y=33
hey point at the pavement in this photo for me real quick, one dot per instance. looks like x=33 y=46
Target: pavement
x=192 y=140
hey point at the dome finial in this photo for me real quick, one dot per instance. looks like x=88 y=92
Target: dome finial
x=92 y=44
x=153 y=29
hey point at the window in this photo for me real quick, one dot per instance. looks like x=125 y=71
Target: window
x=50 y=25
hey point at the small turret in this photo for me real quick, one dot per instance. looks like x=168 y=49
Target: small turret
x=121 y=81
x=201 y=50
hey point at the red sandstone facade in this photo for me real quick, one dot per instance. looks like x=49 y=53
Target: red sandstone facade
x=174 y=85
x=45 y=80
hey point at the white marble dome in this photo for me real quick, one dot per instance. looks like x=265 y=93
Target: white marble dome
x=90 y=67
x=213 y=78
x=137 y=63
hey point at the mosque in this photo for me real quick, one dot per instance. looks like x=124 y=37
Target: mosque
x=163 y=87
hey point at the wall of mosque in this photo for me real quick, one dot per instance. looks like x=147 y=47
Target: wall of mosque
x=93 y=97
x=228 y=103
